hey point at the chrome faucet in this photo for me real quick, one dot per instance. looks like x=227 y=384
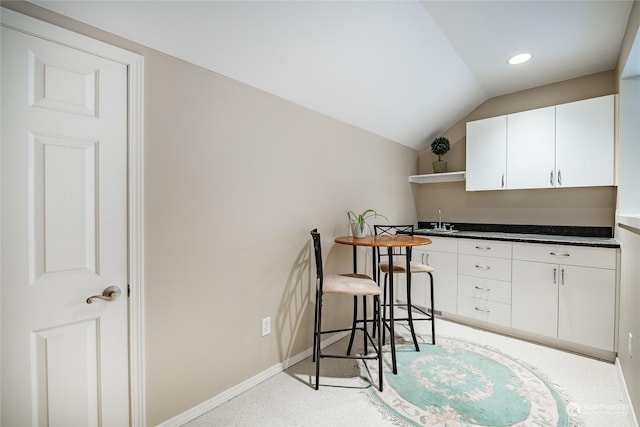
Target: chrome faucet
x=441 y=226
x=438 y=226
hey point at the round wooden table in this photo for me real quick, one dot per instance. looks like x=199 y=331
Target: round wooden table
x=389 y=242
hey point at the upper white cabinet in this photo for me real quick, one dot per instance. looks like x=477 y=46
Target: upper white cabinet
x=531 y=138
x=585 y=143
x=487 y=154
x=568 y=145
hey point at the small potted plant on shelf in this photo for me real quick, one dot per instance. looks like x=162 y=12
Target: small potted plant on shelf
x=439 y=147
x=358 y=223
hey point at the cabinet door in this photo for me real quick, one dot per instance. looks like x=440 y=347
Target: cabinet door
x=587 y=306
x=585 y=143
x=534 y=297
x=445 y=279
x=487 y=154
x=531 y=140
x=484 y=310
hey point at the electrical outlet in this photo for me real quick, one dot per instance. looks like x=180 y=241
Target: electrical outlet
x=630 y=346
x=266 y=326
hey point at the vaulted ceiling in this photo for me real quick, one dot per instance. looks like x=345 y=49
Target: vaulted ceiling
x=404 y=70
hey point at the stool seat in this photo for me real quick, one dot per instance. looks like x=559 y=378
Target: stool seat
x=350 y=284
x=354 y=285
x=400 y=267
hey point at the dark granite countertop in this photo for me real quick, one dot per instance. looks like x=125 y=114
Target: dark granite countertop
x=556 y=235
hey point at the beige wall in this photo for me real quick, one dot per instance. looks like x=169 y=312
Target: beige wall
x=234 y=180
x=583 y=206
x=629 y=318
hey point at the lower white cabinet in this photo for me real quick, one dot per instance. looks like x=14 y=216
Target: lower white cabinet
x=442 y=255
x=484 y=309
x=565 y=292
x=484 y=280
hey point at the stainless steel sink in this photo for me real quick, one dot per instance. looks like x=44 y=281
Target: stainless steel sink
x=437 y=230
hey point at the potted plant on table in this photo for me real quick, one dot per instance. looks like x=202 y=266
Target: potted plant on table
x=358 y=223
x=440 y=146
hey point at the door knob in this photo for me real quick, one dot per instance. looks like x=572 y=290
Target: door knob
x=111 y=293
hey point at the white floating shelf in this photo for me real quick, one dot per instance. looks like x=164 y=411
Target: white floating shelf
x=438 y=177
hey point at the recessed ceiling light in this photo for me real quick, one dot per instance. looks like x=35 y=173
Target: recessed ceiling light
x=519 y=59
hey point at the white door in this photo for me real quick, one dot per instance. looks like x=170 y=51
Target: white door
x=64 y=236
x=585 y=135
x=534 y=297
x=487 y=154
x=531 y=148
x=445 y=280
x=587 y=306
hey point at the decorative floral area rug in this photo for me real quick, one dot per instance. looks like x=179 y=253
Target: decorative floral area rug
x=459 y=383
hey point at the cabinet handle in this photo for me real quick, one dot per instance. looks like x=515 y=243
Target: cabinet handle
x=559 y=177
x=483 y=267
x=502 y=181
x=482 y=289
x=483 y=248
x=481 y=310
x=562 y=276
x=551 y=178
x=427 y=256
x=559 y=254
x=555 y=276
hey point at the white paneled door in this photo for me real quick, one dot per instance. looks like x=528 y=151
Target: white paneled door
x=64 y=235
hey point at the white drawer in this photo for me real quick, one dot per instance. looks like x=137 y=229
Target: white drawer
x=441 y=244
x=491 y=248
x=485 y=267
x=487 y=311
x=564 y=254
x=485 y=289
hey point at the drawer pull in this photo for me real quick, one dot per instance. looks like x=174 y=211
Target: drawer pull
x=481 y=310
x=482 y=289
x=483 y=248
x=483 y=267
x=557 y=254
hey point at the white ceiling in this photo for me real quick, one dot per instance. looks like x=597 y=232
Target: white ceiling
x=404 y=70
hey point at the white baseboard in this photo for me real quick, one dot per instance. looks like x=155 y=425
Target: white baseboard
x=234 y=391
x=626 y=393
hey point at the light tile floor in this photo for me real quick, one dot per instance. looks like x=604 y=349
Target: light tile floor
x=288 y=399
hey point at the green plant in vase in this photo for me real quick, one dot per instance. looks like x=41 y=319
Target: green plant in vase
x=440 y=146
x=359 y=226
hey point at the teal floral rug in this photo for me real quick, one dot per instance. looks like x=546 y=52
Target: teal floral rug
x=459 y=383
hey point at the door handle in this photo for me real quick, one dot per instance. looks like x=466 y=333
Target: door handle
x=111 y=293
